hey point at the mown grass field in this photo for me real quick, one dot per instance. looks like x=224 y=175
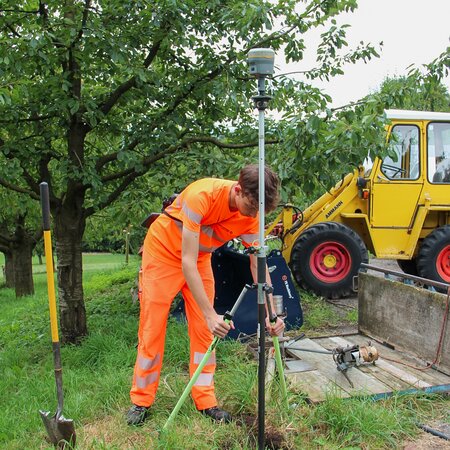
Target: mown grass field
x=97 y=376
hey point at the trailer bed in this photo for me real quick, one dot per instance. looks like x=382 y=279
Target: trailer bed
x=316 y=374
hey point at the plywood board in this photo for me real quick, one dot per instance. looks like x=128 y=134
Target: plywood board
x=399 y=372
x=316 y=385
x=385 y=377
x=430 y=376
x=362 y=382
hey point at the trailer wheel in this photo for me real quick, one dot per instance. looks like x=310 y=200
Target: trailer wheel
x=326 y=257
x=433 y=261
x=408 y=266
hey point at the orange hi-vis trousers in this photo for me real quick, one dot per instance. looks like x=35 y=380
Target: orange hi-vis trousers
x=160 y=283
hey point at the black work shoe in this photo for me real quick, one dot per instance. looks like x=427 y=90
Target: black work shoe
x=217 y=414
x=136 y=415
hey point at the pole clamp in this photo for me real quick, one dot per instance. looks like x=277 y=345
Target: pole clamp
x=261 y=101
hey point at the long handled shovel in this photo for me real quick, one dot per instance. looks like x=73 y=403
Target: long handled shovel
x=60 y=430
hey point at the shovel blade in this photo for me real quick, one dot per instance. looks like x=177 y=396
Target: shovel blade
x=61 y=431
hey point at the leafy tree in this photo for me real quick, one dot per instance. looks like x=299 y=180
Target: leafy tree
x=95 y=94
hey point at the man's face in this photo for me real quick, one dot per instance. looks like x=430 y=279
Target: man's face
x=247 y=206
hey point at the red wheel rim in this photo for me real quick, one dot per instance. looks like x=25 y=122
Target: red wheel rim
x=443 y=264
x=330 y=262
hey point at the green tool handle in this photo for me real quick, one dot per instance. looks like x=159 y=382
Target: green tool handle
x=191 y=383
x=278 y=359
x=227 y=317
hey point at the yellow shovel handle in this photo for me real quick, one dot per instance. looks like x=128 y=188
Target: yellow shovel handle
x=45 y=205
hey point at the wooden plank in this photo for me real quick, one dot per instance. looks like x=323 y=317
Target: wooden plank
x=299 y=366
x=400 y=373
x=363 y=383
x=393 y=382
x=315 y=385
x=430 y=376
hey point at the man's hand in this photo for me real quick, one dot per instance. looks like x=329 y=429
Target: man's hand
x=275 y=329
x=218 y=326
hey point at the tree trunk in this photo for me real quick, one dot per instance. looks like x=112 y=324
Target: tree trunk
x=22 y=246
x=23 y=267
x=9 y=270
x=69 y=228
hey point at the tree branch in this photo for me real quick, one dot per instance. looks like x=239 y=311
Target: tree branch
x=13 y=31
x=29 y=119
x=145 y=162
x=184 y=144
x=131 y=174
x=20 y=11
x=129 y=84
x=3 y=247
x=38 y=234
x=14 y=187
x=30 y=181
x=221 y=144
x=79 y=35
x=114 y=195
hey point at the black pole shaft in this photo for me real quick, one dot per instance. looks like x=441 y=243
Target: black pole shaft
x=261 y=270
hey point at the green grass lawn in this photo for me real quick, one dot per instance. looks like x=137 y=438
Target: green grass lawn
x=97 y=377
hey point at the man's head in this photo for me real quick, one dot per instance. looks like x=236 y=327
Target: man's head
x=248 y=188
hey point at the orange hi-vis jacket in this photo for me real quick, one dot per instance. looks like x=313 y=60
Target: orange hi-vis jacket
x=202 y=207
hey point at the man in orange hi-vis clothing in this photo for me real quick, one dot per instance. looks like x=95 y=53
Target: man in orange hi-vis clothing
x=177 y=257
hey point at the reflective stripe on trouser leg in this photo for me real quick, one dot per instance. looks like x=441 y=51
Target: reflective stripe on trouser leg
x=200 y=339
x=160 y=284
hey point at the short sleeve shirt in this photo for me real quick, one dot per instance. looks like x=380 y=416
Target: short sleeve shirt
x=203 y=207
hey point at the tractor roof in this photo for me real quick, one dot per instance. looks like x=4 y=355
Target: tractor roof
x=401 y=114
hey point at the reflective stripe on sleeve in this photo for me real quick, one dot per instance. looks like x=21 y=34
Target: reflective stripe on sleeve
x=250 y=238
x=209 y=231
x=191 y=215
x=203 y=248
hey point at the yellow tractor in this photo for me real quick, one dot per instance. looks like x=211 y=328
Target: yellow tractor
x=399 y=209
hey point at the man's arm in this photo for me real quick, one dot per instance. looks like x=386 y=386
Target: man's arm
x=189 y=256
x=277 y=328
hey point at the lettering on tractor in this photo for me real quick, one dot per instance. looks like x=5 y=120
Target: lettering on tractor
x=333 y=209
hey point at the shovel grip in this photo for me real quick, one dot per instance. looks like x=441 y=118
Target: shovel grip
x=45 y=206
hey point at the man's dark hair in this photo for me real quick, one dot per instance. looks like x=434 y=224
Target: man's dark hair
x=249 y=182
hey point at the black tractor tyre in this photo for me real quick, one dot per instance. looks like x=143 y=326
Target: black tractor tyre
x=408 y=266
x=326 y=257
x=433 y=260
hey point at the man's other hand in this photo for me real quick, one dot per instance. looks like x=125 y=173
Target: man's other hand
x=275 y=329
x=218 y=326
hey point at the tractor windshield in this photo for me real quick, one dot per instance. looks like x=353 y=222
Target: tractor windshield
x=438 y=152
x=402 y=162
